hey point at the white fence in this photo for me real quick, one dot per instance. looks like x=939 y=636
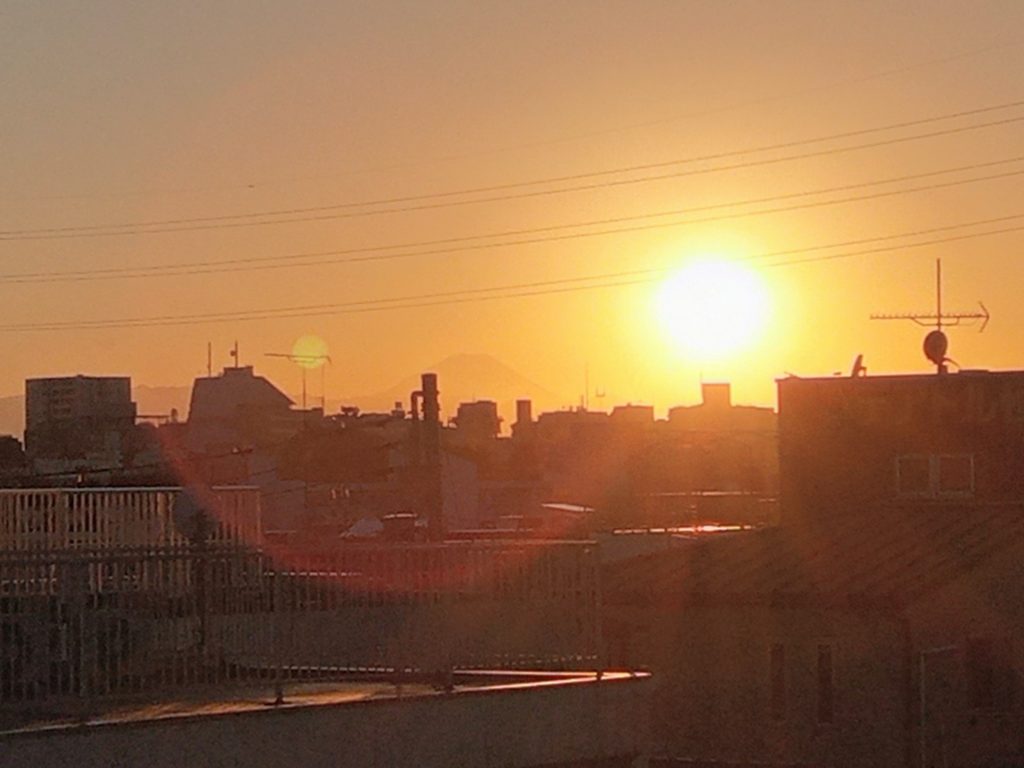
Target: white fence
x=108 y=518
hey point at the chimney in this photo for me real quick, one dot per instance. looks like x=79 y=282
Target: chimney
x=431 y=403
x=524 y=412
x=432 y=454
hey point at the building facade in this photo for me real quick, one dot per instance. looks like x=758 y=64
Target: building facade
x=78 y=418
x=640 y=471
x=881 y=622
x=896 y=445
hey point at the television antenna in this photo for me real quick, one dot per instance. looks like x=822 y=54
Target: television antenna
x=935 y=343
x=305 y=362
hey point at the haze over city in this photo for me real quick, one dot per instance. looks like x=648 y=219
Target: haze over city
x=143 y=146
x=566 y=384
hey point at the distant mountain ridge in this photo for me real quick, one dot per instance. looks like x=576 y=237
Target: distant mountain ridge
x=462 y=378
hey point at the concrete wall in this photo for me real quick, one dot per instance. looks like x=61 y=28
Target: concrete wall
x=839 y=439
x=529 y=725
x=987 y=603
x=712 y=683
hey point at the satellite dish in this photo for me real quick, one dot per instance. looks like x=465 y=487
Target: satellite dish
x=935 y=347
x=935 y=343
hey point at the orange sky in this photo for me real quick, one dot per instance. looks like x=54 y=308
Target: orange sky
x=120 y=113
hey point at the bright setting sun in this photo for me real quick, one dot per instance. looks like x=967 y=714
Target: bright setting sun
x=712 y=308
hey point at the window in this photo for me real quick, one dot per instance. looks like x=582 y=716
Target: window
x=825 y=684
x=956 y=474
x=778 y=681
x=991 y=678
x=935 y=476
x=913 y=475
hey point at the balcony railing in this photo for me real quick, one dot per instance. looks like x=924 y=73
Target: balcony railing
x=80 y=625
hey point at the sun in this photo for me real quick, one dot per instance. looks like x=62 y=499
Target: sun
x=310 y=351
x=713 y=308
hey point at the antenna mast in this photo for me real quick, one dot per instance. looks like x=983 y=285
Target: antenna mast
x=935 y=343
x=305 y=362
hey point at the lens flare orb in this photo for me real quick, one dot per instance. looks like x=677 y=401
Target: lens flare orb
x=309 y=351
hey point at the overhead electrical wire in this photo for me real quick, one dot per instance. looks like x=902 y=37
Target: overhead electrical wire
x=579 y=283
x=895 y=236
x=890 y=248
x=459 y=244
x=305 y=310
x=343 y=210
x=508 y=291
x=878 y=74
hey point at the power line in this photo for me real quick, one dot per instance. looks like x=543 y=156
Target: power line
x=890 y=248
x=897 y=236
x=287 y=311
x=343 y=210
x=359 y=255
x=472 y=295
x=878 y=74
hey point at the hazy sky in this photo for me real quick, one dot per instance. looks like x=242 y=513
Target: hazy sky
x=119 y=113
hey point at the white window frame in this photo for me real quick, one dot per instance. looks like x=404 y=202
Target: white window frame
x=922 y=494
x=934 y=490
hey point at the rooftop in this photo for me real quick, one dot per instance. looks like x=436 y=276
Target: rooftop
x=354 y=688
x=891 y=564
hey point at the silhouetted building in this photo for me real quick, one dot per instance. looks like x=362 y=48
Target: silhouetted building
x=238 y=423
x=709 y=462
x=717 y=413
x=12 y=455
x=353 y=469
x=238 y=406
x=78 y=418
x=881 y=622
x=720 y=464
x=477 y=422
x=876 y=448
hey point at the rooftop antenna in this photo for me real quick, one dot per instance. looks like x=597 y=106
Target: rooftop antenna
x=935 y=343
x=234 y=352
x=305 y=362
x=209 y=359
